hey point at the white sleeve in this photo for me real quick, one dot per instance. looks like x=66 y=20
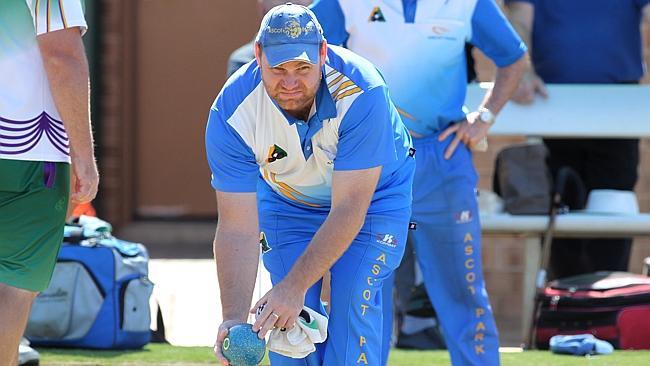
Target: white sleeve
x=54 y=15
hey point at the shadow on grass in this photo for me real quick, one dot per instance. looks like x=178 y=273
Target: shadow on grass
x=151 y=353
x=76 y=353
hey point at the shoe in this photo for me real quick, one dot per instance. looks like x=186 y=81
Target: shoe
x=27 y=356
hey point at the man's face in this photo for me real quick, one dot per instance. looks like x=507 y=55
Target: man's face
x=293 y=84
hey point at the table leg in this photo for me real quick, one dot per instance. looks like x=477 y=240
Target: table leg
x=532 y=258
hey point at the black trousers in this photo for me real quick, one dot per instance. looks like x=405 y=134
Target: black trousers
x=602 y=164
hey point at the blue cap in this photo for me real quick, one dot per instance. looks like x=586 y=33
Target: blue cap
x=290 y=32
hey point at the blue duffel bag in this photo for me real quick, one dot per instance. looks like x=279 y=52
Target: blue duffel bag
x=99 y=294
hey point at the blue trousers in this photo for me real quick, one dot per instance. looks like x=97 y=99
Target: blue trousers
x=447 y=243
x=355 y=331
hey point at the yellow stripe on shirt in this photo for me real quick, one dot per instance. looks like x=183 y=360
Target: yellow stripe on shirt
x=48 y=15
x=341 y=87
x=405 y=113
x=336 y=80
x=348 y=93
x=286 y=190
x=62 y=12
x=36 y=15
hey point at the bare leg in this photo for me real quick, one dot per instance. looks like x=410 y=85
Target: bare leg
x=15 y=304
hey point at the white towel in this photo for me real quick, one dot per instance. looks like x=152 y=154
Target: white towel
x=298 y=342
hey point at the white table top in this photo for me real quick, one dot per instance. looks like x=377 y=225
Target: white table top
x=571 y=224
x=574 y=110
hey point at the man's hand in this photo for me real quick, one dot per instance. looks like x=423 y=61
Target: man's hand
x=471 y=132
x=282 y=305
x=65 y=62
x=352 y=191
x=85 y=180
x=529 y=86
x=221 y=335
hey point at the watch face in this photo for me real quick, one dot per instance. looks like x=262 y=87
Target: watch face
x=486 y=116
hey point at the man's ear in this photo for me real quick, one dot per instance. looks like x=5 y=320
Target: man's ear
x=258 y=53
x=323 y=53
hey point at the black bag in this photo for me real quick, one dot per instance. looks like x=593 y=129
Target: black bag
x=522 y=179
x=613 y=306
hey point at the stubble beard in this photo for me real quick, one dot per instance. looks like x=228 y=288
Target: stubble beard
x=296 y=107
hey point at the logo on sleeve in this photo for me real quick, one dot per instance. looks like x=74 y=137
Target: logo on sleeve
x=463 y=217
x=275 y=153
x=376 y=15
x=386 y=239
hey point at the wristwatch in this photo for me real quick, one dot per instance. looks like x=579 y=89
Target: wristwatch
x=486 y=116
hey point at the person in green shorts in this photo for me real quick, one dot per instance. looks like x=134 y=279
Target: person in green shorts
x=44 y=127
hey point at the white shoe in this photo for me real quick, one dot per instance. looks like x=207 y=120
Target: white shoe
x=27 y=356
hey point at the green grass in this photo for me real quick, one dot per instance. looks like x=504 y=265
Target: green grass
x=159 y=354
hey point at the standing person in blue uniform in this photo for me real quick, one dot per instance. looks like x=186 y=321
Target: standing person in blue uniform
x=418 y=46
x=310 y=158
x=563 y=52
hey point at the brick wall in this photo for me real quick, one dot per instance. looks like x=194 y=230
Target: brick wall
x=503 y=257
x=117 y=105
x=160 y=79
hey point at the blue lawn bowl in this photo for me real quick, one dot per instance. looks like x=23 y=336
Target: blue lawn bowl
x=242 y=347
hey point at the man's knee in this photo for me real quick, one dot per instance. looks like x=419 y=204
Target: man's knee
x=15 y=304
x=16 y=298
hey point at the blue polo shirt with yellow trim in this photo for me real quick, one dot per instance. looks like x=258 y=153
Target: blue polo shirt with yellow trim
x=253 y=146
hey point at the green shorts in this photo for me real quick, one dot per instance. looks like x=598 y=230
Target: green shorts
x=33 y=204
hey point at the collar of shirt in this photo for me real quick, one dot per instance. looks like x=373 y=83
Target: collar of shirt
x=409 y=7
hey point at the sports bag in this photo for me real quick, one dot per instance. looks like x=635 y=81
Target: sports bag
x=613 y=306
x=99 y=293
x=522 y=179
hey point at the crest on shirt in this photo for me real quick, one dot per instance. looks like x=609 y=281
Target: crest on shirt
x=376 y=15
x=275 y=153
x=439 y=30
x=264 y=243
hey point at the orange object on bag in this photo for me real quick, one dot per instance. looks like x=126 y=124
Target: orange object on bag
x=86 y=209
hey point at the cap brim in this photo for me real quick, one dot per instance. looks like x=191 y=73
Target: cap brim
x=279 y=54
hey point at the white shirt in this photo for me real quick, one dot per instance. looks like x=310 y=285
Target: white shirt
x=30 y=125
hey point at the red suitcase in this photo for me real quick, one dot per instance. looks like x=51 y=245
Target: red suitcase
x=614 y=306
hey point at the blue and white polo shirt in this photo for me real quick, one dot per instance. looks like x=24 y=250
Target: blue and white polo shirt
x=419 y=48
x=253 y=146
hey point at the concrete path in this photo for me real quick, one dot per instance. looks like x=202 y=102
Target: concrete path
x=187 y=293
